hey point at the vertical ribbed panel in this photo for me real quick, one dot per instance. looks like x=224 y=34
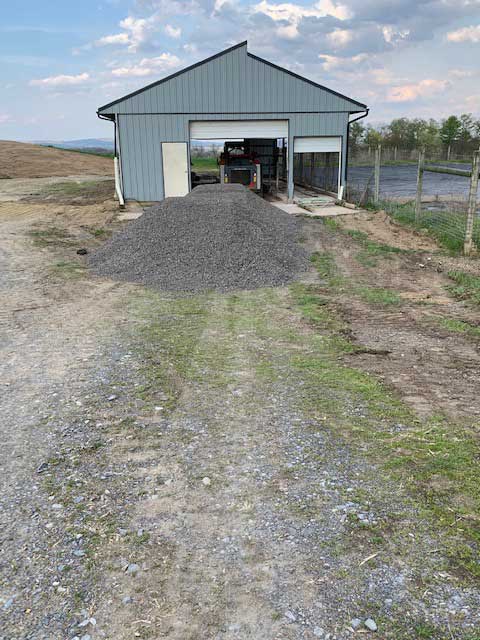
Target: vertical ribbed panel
x=233 y=82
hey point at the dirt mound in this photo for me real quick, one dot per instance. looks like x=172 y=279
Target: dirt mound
x=22 y=160
x=216 y=238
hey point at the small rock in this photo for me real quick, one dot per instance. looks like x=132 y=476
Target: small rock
x=82 y=252
x=43 y=467
x=133 y=569
x=290 y=616
x=355 y=623
x=388 y=602
x=127 y=600
x=370 y=624
x=57 y=506
x=318 y=632
x=112 y=397
x=86 y=637
x=206 y=481
x=79 y=553
x=122 y=532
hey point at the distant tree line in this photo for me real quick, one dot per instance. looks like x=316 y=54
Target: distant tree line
x=456 y=136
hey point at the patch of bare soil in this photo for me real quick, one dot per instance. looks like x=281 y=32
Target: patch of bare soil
x=380 y=227
x=433 y=369
x=22 y=160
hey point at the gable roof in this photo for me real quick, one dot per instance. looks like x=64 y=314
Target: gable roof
x=358 y=105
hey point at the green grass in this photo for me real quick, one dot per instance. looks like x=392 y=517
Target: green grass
x=371 y=251
x=459 y=326
x=437 y=461
x=205 y=164
x=466 y=287
x=69 y=269
x=50 y=236
x=446 y=227
x=73 y=189
x=378 y=296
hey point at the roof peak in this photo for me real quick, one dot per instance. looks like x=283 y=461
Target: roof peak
x=239 y=45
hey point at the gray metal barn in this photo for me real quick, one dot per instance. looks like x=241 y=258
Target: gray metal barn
x=233 y=94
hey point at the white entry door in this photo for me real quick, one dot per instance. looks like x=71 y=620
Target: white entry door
x=175 y=169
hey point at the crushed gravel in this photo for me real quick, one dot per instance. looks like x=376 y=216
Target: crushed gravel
x=218 y=237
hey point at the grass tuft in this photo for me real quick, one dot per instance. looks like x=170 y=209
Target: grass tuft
x=466 y=287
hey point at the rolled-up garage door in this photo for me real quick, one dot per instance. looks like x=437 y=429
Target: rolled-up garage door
x=327 y=144
x=225 y=129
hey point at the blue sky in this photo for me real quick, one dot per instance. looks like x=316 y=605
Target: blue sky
x=61 y=60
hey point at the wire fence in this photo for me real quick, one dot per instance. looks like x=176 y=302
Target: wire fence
x=444 y=207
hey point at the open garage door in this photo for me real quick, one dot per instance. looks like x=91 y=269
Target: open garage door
x=317 y=163
x=231 y=129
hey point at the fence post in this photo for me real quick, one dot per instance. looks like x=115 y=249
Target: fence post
x=418 y=199
x=395 y=154
x=472 y=204
x=378 y=152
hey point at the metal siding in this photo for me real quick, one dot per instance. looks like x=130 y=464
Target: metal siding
x=233 y=82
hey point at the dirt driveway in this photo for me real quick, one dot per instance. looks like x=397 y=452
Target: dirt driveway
x=284 y=463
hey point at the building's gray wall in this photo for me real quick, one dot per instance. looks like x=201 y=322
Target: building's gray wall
x=233 y=83
x=141 y=137
x=233 y=86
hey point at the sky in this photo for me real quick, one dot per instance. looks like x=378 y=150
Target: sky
x=61 y=60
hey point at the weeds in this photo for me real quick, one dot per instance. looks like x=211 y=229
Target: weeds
x=68 y=269
x=459 y=326
x=378 y=296
x=446 y=227
x=466 y=287
x=50 y=236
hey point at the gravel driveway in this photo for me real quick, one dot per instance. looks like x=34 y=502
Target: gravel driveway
x=172 y=467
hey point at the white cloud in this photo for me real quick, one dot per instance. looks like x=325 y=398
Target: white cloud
x=332 y=63
x=393 y=36
x=117 y=38
x=61 y=80
x=148 y=66
x=422 y=89
x=460 y=73
x=136 y=32
x=173 y=32
x=292 y=14
x=5 y=117
x=340 y=37
x=466 y=34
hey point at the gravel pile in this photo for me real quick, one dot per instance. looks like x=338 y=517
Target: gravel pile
x=218 y=237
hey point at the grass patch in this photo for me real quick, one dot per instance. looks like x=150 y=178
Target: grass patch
x=50 y=236
x=371 y=251
x=459 y=326
x=205 y=164
x=69 y=269
x=466 y=287
x=446 y=227
x=99 y=232
x=436 y=461
x=378 y=296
